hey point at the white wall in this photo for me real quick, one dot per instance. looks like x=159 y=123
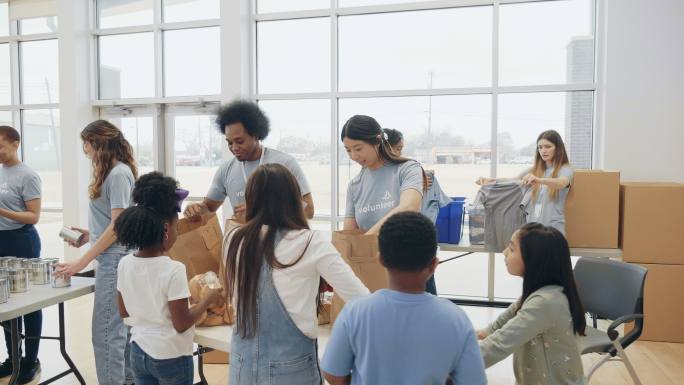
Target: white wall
x=75 y=112
x=642 y=103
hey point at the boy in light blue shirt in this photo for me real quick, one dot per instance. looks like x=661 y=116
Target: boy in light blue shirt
x=403 y=335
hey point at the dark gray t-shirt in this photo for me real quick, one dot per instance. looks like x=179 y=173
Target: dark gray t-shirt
x=230 y=182
x=115 y=194
x=18 y=185
x=374 y=193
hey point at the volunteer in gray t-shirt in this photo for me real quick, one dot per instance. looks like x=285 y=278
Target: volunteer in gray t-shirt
x=245 y=126
x=433 y=197
x=114 y=174
x=550 y=178
x=387 y=183
x=20 y=198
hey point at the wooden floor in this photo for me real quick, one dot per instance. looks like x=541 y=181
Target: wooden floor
x=656 y=363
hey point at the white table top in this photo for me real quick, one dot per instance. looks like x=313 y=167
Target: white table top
x=576 y=252
x=218 y=337
x=42 y=296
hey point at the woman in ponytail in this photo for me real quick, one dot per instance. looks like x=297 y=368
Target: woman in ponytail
x=114 y=173
x=387 y=184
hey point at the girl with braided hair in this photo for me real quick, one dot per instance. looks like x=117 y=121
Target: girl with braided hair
x=153 y=289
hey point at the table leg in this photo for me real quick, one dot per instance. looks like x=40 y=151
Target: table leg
x=16 y=349
x=200 y=365
x=62 y=345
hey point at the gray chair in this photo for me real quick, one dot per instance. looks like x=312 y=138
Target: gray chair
x=611 y=290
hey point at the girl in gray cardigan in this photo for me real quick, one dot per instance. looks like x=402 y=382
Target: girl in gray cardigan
x=540 y=328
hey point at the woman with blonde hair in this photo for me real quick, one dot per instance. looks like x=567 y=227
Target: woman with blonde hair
x=114 y=174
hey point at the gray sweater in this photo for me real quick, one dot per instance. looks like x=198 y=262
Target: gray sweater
x=540 y=336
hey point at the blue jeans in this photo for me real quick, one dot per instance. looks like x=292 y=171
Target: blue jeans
x=110 y=335
x=23 y=242
x=150 y=371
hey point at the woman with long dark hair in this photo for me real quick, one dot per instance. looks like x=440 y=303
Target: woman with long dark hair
x=387 y=184
x=274 y=264
x=20 y=201
x=114 y=173
x=550 y=178
x=540 y=328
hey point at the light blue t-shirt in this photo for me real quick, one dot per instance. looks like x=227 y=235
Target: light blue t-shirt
x=547 y=211
x=433 y=200
x=18 y=185
x=229 y=181
x=390 y=337
x=374 y=193
x=115 y=194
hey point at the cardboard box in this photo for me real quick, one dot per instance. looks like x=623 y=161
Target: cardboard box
x=216 y=357
x=663 y=305
x=360 y=251
x=652 y=222
x=592 y=209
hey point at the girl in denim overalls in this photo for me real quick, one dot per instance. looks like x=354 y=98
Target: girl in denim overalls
x=274 y=264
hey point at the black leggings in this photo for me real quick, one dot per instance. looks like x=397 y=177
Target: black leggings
x=23 y=243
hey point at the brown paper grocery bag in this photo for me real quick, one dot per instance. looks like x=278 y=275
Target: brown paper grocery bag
x=198 y=245
x=360 y=251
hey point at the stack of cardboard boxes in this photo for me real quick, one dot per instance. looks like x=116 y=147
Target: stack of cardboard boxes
x=652 y=235
x=592 y=209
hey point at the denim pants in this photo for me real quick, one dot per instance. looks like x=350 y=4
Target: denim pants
x=23 y=242
x=150 y=371
x=110 y=335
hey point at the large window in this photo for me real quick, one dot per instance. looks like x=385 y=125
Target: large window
x=159 y=80
x=29 y=93
x=471 y=88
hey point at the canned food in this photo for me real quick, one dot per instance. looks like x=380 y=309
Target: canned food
x=16 y=263
x=19 y=280
x=70 y=235
x=4 y=289
x=7 y=262
x=40 y=272
x=59 y=280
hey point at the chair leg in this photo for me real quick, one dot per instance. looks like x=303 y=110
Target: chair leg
x=604 y=358
x=623 y=356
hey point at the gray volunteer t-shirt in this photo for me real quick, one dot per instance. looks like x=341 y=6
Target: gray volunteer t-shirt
x=229 y=181
x=374 y=193
x=547 y=211
x=18 y=184
x=433 y=199
x=115 y=194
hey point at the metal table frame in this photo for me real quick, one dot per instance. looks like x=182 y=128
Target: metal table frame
x=467 y=249
x=16 y=337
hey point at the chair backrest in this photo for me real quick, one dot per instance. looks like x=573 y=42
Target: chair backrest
x=610 y=289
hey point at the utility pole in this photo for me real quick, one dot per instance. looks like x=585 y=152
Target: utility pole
x=429 y=127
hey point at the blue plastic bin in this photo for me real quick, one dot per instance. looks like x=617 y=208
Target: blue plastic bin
x=450 y=221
